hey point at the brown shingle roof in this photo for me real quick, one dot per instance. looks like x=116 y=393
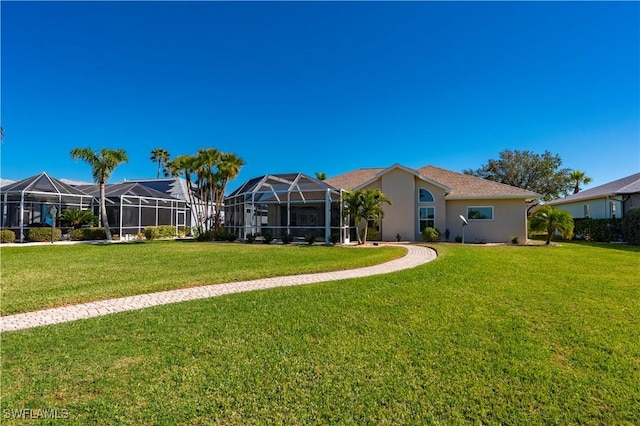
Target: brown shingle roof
x=354 y=178
x=462 y=186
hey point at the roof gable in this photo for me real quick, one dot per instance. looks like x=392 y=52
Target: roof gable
x=42 y=183
x=409 y=170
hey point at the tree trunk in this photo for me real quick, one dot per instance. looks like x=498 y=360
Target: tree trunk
x=103 y=211
x=364 y=234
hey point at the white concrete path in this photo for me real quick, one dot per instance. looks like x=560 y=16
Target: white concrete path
x=416 y=255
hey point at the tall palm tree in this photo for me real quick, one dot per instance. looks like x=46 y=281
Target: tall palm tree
x=206 y=165
x=160 y=156
x=185 y=165
x=365 y=205
x=578 y=178
x=228 y=169
x=552 y=220
x=102 y=165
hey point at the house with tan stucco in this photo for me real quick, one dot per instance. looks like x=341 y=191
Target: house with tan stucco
x=436 y=197
x=299 y=205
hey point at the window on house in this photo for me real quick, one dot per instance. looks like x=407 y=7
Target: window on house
x=427 y=217
x=480 y=213
x=586 y=210
x=425 y=196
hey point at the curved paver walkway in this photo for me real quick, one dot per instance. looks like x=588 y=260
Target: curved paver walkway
x=416 y=255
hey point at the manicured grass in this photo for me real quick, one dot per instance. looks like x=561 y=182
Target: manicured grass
x=48 y=276
x=483 y=335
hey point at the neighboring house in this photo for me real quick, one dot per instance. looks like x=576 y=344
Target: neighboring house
x=26 y=204
x=435 y=197
x=611 y=200
x=177 y=188
x=130 y=206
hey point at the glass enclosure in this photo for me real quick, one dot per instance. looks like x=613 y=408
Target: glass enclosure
x=286 y=204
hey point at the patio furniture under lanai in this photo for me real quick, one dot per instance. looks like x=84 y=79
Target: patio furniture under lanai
x=286 y=204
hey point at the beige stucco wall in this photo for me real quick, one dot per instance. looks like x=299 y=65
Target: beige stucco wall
x=509 y=220
x=402 y=217
x=399 y=217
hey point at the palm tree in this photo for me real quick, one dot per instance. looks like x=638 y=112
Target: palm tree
x=228 y=169
x=160 y=156
x=365 y=205
x=578 y=178
x=102 y=165
x=185 y=165
x=552 y=220
x=321 y=176
x=206 y=165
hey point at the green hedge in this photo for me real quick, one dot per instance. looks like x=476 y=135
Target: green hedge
x=7 y=236
x=87 y=234
x=601 y=230
x=162 y=231
x=43 y=234
x=631 y=226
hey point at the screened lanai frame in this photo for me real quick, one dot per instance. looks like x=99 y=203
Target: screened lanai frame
x=291 y=204
x=27 y=203
x=132 y=206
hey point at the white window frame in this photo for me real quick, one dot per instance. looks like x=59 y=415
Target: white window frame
x=481 y=207
x=420 y=220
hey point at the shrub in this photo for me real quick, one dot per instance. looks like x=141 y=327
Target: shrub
x=162 y=231
x=430 y=234
x=151 y=232
x=87 y=234
x=206 y=236
x=334 y=238
x=631 y=226
x=398 y=237
x=310 y=239
x=514 y=240
x=223 y=235
x=251 y=238
x=77 y=218
x=601 y=230
x=267 y=238
x=43 y=234
x=458 y=239
x=287 y=239
x=7 y=236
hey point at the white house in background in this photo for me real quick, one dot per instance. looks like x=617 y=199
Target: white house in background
x=608 y=201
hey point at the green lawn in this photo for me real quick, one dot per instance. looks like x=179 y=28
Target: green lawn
x=48 y=276
x=482 y=335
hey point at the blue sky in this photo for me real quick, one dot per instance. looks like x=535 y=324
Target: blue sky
x=320 y=86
